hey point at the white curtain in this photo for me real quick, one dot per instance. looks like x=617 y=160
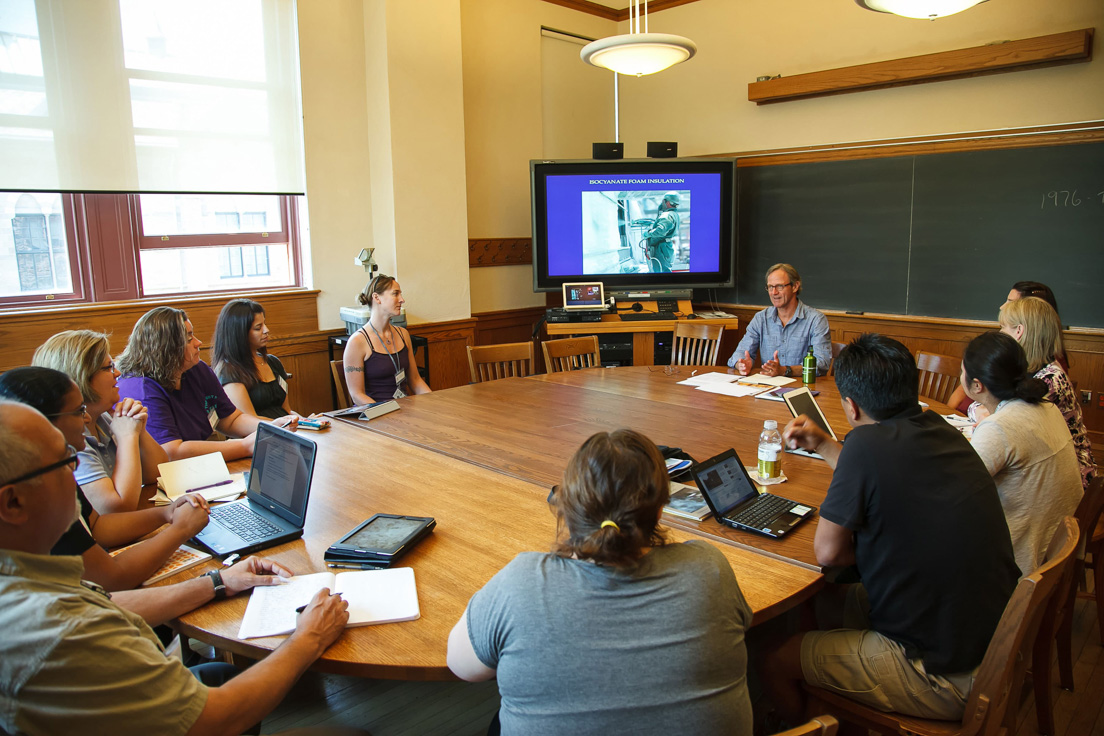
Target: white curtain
x=150 y=96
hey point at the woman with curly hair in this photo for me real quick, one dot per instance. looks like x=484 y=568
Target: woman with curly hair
x=186 y=403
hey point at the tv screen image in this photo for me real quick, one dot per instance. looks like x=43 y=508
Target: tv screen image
x=636 y=231
x=634 y=224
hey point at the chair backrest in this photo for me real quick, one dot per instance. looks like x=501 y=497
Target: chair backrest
x=696 y=344
x=938 y=375
x=490 y=362
x=816 y=726
x=337 y=370
x=996 y=690
x=836 y=348
x=571 y=354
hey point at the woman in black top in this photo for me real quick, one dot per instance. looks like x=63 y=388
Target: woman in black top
x=379 y=362
x=254 y=380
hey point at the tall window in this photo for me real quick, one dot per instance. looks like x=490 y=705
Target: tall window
x=34 y=251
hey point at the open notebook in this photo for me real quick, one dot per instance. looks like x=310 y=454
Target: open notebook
x=374 y=597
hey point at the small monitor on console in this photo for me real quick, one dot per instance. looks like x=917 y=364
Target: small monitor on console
x=584 y=296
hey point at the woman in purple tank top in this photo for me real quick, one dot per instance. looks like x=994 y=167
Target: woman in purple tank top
x=378 y=364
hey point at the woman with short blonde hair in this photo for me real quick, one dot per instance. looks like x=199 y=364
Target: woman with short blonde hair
x=118 y=454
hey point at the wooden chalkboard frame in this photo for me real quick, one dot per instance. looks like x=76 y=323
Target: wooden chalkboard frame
x=1053 y=136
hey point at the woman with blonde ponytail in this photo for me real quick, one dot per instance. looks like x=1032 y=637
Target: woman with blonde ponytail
x=615 y=630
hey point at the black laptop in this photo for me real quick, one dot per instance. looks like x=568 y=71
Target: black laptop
x=736 y=501
x=275 y=505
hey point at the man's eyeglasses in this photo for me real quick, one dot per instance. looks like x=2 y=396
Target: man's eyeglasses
x=778 y=287
x=80 y=411
x=72 y=460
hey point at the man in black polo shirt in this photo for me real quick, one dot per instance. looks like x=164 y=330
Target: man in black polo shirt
x=912 y=506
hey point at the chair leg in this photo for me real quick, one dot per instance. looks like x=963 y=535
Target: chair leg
x=1098 y=587
x=1040 y=676
x=1063 y=641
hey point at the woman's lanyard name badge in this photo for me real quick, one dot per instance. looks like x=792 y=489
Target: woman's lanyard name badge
x=400 y=372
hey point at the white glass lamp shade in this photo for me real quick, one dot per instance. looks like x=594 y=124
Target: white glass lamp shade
x=638 y=54
x=923 y=9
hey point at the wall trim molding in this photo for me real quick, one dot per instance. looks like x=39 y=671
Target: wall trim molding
x=616 y=14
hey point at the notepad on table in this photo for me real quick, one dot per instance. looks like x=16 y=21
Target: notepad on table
x=374 y=597
x=760 y=380
x=206 y=475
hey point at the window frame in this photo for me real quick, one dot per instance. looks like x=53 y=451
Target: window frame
x=99 y=243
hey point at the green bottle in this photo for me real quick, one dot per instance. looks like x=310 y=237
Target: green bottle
x=809 y=368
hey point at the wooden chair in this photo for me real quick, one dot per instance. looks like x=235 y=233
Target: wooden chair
x=991 y=707
x=571 y=354
x=836 y=348
x=1094 y=551
x=817 y=726
x=490 y=362
x=337 y=370
x=1057 y=628
x=938 y=375
x=696 y=344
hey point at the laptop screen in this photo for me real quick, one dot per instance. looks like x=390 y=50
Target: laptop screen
x=584 y=296
x=283 y=463
x=725 y=482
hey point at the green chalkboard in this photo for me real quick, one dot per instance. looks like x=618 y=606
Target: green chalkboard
x=939 y=235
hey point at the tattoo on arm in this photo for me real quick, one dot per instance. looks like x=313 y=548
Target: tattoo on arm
x=354 y=369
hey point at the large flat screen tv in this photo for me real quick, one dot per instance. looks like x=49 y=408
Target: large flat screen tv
x=634 y=224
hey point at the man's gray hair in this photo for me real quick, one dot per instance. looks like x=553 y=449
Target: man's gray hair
x=18 y=454
x=788 y=270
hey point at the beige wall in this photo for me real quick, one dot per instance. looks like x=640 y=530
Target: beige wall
x=335 y=133
x=504 y=116
x=384 y=134
x=703 y=104
x=739 y=41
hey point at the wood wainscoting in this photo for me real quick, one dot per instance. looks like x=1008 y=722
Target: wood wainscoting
x=1084 y=346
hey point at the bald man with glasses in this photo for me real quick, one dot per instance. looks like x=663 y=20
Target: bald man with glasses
x=779 y=337
x=74 y=659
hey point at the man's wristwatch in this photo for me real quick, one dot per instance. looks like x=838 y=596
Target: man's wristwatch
x=789 y=371
x=220 y=587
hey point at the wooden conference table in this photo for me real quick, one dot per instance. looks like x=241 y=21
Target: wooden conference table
x=480 y=459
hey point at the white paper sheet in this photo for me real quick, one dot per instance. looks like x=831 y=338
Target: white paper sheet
x=732 y=389
x=762 y=380
x=705 y=379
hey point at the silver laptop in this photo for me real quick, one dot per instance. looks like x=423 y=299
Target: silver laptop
x=584 y=296
x=275 y=505
x=801 y=401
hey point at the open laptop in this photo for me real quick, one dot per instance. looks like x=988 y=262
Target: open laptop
x=801 y=401
x=275 y=505
x=736 y=501
x=584 y=296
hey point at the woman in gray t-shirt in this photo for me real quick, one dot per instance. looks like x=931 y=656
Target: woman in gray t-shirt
x=614 y=631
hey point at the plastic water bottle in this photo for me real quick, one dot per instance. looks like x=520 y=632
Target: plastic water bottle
x=770 y=450
x=809 y=368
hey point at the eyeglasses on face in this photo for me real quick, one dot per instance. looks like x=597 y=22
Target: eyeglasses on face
x=71 y=459
x=778 y=287
x=110 y=367
x=552 y=493
x=80 y=411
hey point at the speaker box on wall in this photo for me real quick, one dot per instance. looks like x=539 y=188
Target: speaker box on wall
x=662 y=149
x=607 y=150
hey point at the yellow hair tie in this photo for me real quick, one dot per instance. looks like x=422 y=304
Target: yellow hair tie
x=607 y=522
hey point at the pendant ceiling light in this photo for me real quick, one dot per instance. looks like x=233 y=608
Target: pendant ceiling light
x=923 y=9
x=637 y=53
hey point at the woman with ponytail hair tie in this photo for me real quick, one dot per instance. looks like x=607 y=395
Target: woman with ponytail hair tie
x=1024 y=443
x=615 y=630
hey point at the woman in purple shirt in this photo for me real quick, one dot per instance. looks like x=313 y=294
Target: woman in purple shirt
x=186 y=403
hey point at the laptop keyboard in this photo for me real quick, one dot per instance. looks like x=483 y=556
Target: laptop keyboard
x=762 y=511
x=241 y=520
